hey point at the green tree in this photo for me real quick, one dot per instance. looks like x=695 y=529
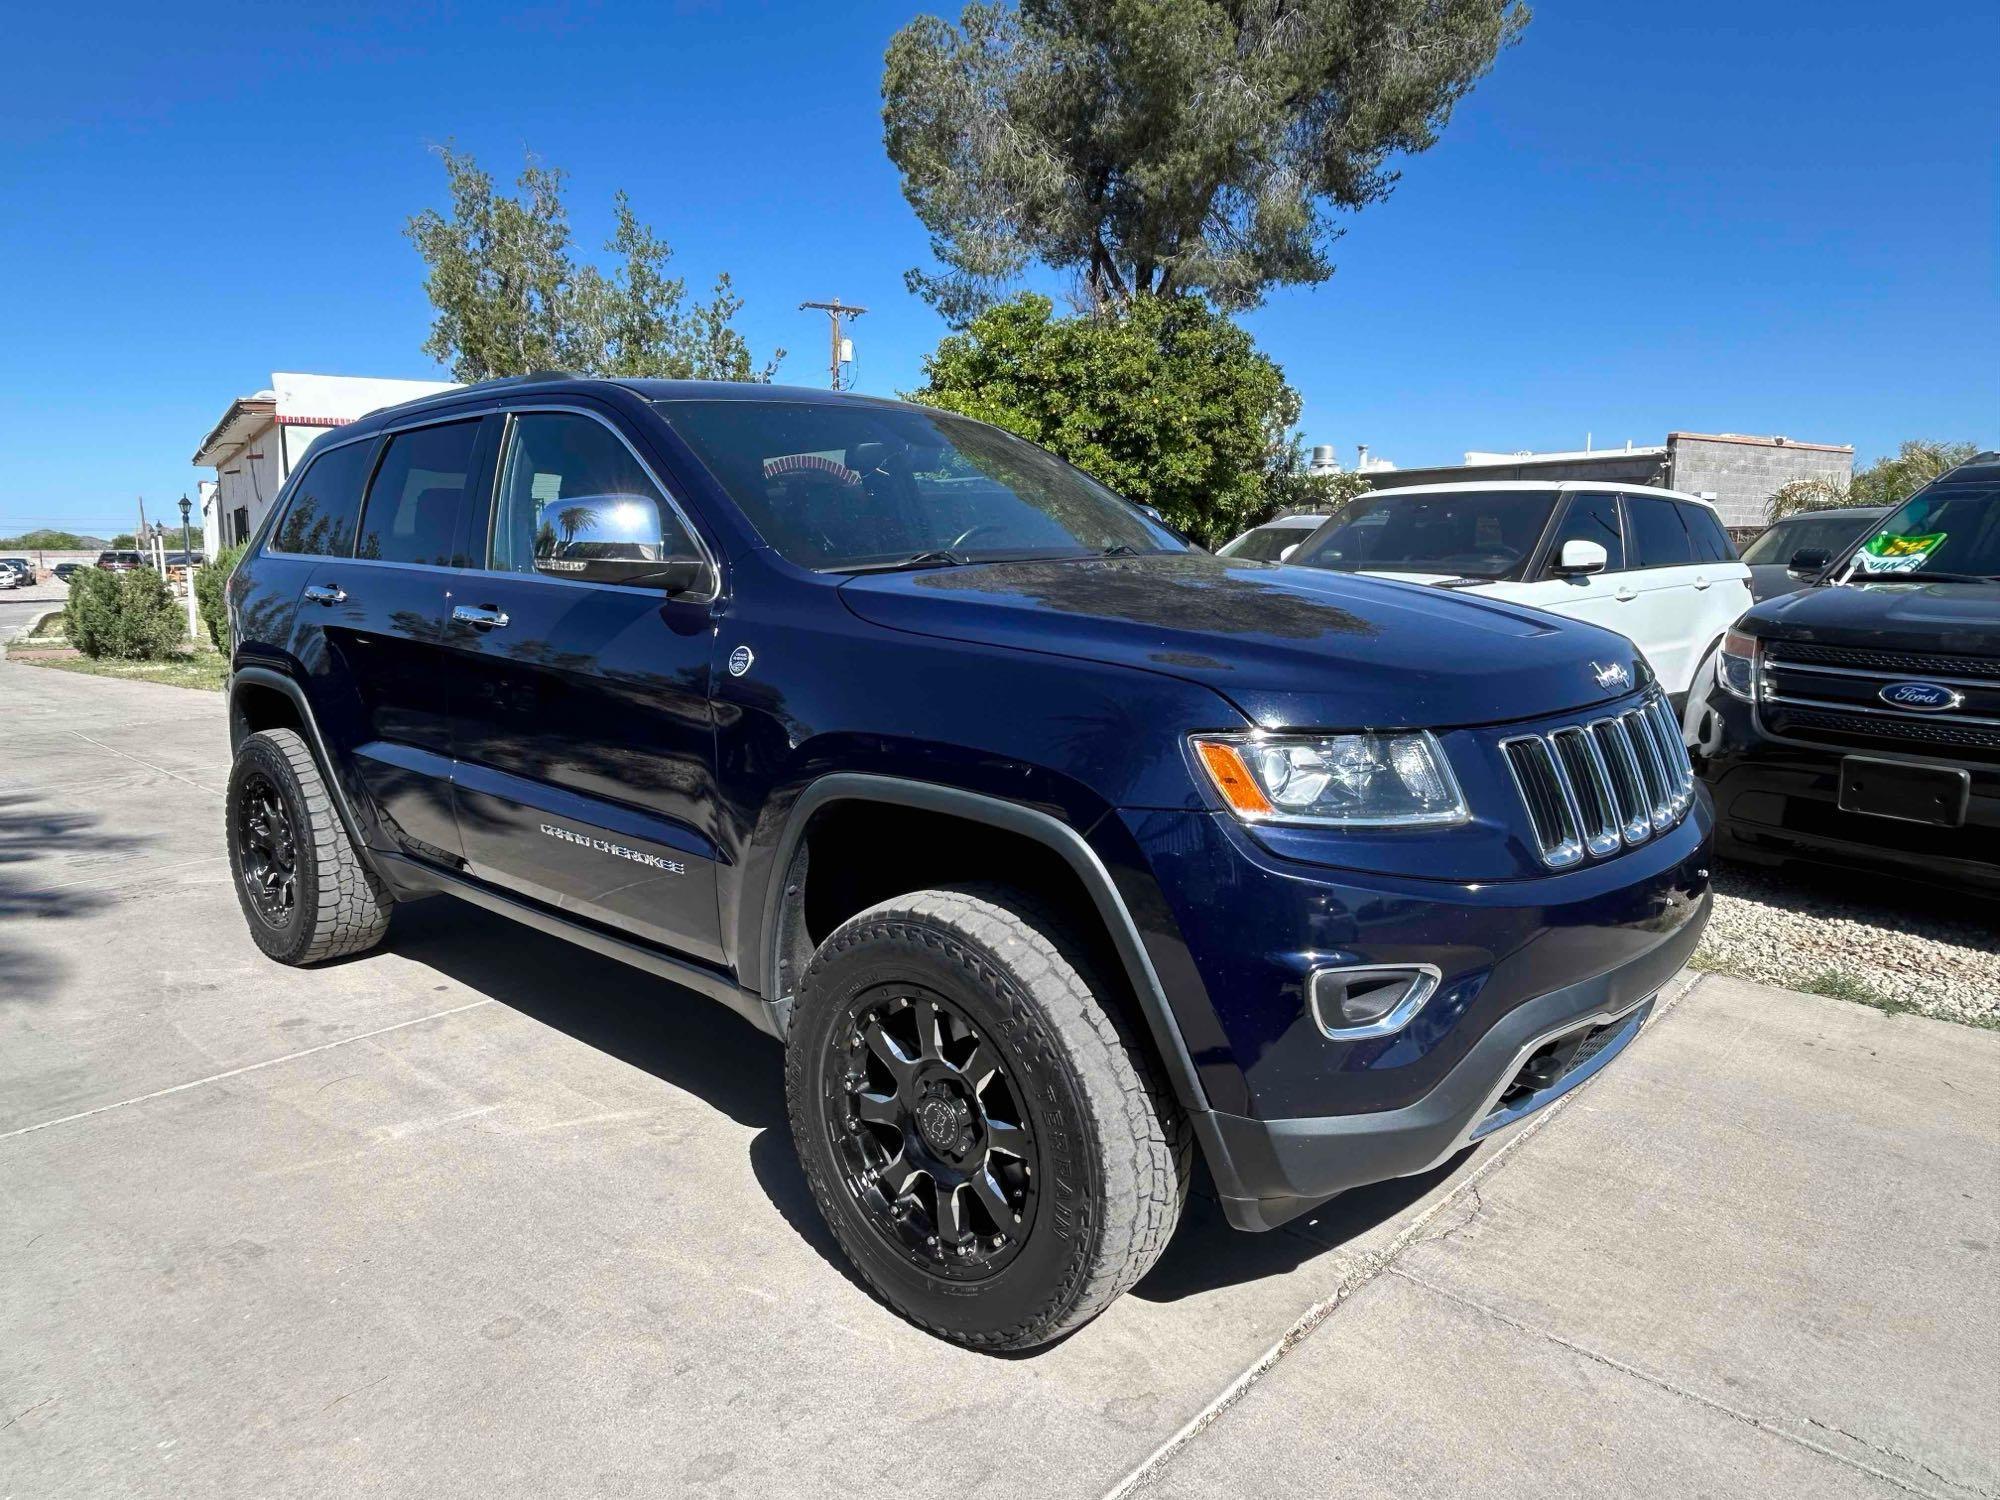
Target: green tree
x=512 y=297
x=1170 y=404
x=123 y=542
x=1167 y=146
x=44 y=541
x=1890 y=480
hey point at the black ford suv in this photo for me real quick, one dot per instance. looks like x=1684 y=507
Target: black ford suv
x=1055 y=849
x=1857 y=721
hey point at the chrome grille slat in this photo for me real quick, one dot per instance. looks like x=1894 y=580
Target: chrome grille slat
x=1595 y=788
x=1635 y=819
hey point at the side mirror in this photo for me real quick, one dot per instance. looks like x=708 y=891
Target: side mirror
x=1286 y=555
x=614 y=539
x=1579 y=557
x=1808 y=562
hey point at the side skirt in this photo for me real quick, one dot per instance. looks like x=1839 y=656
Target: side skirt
x=411 y=878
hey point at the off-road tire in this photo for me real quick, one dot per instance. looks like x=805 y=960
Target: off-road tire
x=1116 y=1149
x=340 y=906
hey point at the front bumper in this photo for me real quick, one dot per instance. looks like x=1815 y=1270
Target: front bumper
x=1270 y=1171
x=1779 y=799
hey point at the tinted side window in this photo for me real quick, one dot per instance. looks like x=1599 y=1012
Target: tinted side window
x=1711 y=543
x=319 y=521
x=1591 y=518
x=1659 y=540
x=413 y=503
x=560 y=473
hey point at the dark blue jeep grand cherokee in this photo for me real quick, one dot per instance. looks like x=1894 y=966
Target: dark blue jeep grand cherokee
x=1055 y=849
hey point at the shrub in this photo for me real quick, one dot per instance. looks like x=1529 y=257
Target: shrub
x=130 y=616
x=211 y=585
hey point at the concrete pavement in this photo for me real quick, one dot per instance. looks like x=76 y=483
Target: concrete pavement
x=480 y=1214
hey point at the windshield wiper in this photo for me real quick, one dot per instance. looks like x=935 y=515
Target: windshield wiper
x=1118 y=549
x=937 y=557
x=1922 y=575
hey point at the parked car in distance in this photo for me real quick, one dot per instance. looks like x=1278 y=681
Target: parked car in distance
x=1272 y=541
x=1054 y=848
x=118 y=562
x=1858 y=720
x=64 y=570
x=1830 y=532
x=1654 y=565
x=21 y=569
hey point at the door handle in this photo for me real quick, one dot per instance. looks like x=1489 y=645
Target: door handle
x=1700 y=582
x=1625 y=595
x=326 y=593
x=484 y=616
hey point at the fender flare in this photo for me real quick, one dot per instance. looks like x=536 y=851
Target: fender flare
x=269 y=677
x=1012 y=817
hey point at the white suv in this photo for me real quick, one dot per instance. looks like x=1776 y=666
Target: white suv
x=1648 y=563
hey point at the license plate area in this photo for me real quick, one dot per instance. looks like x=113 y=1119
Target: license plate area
x=1936 y=795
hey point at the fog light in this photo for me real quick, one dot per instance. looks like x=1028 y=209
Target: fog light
x=1370 y=1000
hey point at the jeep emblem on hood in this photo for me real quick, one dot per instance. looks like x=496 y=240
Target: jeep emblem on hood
x=1611 y=676
x=1924 y=697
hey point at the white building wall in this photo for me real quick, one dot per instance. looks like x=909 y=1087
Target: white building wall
x=248 y=481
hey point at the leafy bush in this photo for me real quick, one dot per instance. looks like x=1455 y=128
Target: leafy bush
x=211 y=583
x=130 y=616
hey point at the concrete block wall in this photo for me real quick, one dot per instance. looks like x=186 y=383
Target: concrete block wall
x=1744 y=472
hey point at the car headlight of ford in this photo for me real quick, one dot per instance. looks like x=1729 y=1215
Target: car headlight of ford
x=1389 y=780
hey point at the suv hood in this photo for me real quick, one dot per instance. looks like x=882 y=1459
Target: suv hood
x=1290 y=647
x=1961 y=617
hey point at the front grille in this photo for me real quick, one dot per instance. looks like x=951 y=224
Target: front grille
x=1902 y=663
x=1785 y=719
x=1595 y=788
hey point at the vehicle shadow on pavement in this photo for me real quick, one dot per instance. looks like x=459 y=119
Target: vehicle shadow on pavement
x=703 y=1050
x=40 y=848
x=1206 y=1254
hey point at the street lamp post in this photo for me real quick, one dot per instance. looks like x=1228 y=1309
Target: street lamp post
x=187 y=567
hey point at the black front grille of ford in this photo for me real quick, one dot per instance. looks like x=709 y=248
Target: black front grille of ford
x=1592 y=789
x=1911 y=663
x=1785 y=719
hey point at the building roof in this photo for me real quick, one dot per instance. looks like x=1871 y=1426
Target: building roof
x=1759 y=442
x=296 y=399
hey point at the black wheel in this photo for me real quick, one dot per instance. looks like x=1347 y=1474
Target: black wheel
x=304 y=890
x=987 y=1144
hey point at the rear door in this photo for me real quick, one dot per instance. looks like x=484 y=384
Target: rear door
x=582 y=725
x=381 y=681
x=1721 y=580
x=1668 y=583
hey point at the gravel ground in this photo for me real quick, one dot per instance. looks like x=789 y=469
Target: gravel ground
x=1912 y=948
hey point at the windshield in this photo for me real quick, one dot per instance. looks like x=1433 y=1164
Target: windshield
x=1266 y=542
x=1830 y=533
x=1472 y=534
x=836 y=487
x=1946 y=529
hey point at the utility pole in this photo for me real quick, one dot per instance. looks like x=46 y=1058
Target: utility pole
x=835 y=311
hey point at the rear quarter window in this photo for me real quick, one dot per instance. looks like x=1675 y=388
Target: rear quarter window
x=1657 y=536
x=319 y=518
x=1705 y=534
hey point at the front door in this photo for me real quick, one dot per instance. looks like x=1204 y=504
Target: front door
x=1605 y=598
x=584 y=742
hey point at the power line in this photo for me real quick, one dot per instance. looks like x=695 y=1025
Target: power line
x=835 y=311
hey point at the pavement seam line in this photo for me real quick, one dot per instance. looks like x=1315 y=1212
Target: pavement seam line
x=134 y=878
x=1661 y=1383
x=112 y=749
x=1303 y=1326
x=269 y=1062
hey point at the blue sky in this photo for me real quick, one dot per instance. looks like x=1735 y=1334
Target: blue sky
x=1711 y=216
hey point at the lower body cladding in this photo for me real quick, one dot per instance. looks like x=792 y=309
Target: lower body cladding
x=1887 y=806
x=1529 y=987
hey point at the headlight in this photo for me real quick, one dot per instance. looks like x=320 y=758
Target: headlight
x=1736 y=665
x=1341 y=780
